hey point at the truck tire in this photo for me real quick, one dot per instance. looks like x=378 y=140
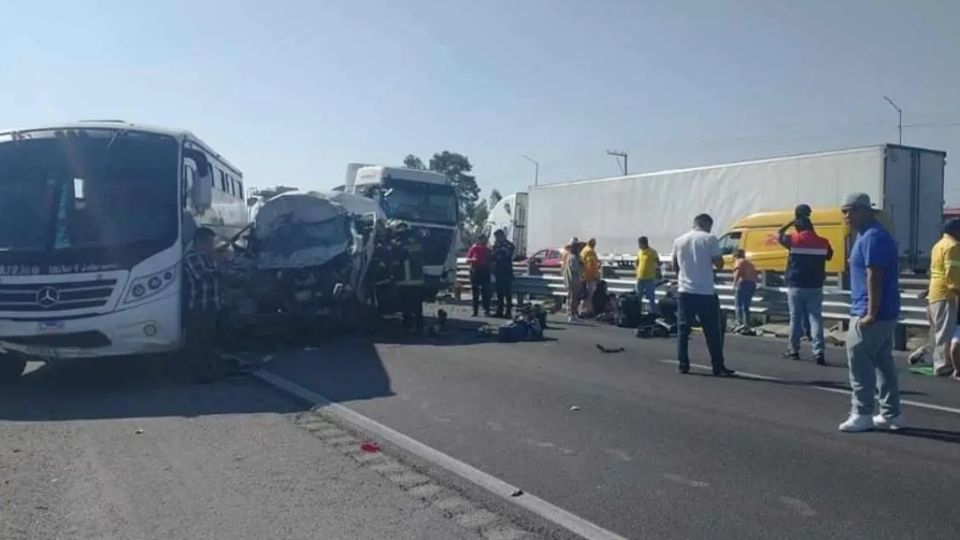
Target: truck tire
x=11 y=367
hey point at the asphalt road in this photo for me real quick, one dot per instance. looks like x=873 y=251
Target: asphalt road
x=651 y=453
x=127 y=449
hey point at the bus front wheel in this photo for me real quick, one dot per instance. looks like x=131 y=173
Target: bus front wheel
x=11 y=367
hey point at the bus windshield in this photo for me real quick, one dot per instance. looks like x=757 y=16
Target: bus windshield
x=427 y=203
x=90 y=188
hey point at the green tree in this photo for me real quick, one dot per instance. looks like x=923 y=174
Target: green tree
x=413 y=162
x=495 y=197
x=268 y=193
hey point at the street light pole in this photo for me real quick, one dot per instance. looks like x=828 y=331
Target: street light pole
x=899 y=118
x=536 y=169
x=620 y=154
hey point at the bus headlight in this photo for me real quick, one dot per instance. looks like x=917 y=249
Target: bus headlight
x=149 y=285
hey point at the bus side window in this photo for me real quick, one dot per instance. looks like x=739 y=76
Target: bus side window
x=189 y=177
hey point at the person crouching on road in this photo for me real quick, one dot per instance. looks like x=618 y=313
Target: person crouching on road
x=942 y=296
x=806 y=273
x=874 y=308
x=695 y=256
x=479 y=258
x=572 y=272
x=202 y=280
x=591 y=274
x=647 y=264
x=503 y=250
x=745 y=277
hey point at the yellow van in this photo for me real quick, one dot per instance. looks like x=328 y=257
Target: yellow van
x=757 y=236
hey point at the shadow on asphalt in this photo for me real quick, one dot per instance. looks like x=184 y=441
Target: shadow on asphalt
x=129 y=387
x=931 y=434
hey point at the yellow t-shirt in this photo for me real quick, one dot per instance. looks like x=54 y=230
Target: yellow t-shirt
x=647 y=262
x=591 y=264
x=944 y=270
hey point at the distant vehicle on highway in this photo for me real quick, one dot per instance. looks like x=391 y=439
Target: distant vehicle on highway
x=545 y=258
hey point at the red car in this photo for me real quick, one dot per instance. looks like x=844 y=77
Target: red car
x=545 y=258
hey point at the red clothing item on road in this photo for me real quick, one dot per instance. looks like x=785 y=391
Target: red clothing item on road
x=479 y=256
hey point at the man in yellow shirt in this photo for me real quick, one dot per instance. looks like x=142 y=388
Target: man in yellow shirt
x=647 y=264
x=943 y=295
x=591 y=273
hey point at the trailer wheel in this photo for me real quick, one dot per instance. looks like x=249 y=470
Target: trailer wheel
x=11 y=367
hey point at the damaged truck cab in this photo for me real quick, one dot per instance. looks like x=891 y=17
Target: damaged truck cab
x=307 y=255
x=425 y=200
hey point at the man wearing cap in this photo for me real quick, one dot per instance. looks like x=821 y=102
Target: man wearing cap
x=874 y=308
x=806 y=272
x=942 y=295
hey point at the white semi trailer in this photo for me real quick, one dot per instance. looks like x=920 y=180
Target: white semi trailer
x=907 y=183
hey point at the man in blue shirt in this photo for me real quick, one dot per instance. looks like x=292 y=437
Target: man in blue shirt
x=874 y=308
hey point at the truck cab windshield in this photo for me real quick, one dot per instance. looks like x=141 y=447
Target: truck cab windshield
x=91 y=188
x=419 y=202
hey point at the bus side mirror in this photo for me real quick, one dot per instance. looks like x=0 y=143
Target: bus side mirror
x=202 y=193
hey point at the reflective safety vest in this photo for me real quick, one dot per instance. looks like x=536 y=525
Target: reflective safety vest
x=408 y=267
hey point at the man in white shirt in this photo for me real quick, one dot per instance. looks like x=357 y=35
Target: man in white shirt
x=696 y=255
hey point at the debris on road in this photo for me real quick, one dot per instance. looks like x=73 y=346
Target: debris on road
x=370 y=447
x=517 y=493
x=574 y=408
x=139 y=432
x=610 y=349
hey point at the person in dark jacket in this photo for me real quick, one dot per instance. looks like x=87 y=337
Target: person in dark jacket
x=806 y=272
x=503 y=250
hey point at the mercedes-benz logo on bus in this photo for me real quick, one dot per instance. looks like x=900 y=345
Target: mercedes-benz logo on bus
x=48 y=296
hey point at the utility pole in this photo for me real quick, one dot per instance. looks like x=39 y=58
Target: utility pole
x=899 y=118
x=536 y=169
x=620 y=154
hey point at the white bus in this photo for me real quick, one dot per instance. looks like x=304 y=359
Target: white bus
x=94 y=220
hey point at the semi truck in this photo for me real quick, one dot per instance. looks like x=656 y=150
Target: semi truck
x=905 y=182
x=427 y=201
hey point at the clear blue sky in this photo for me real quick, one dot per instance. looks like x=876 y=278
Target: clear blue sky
x=292 y=90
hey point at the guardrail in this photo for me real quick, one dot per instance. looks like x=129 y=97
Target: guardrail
x=770 y=300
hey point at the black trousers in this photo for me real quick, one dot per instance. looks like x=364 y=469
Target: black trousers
x=504 y=295
x=411 y=306
x=201 y=341
x=480 y=289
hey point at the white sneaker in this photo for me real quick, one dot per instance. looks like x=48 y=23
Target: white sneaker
x=892 y=423
x=857 y=423
x=571 y=318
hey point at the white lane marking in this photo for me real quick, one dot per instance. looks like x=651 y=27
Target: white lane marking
x=912 y=403
x=801 y=507
x=685 y=481
x=532 y=503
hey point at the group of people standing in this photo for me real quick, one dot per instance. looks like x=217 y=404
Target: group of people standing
x=496 y=262
x=874 y=302
x=580 y=267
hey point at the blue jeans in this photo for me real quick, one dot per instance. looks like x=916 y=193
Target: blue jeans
x=647 y=288
x=806 y=304
x=872 y=369
x=743 y=300
x=706 y=308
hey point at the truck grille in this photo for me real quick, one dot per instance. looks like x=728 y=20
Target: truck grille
x=435 y=243
x=53 y=297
